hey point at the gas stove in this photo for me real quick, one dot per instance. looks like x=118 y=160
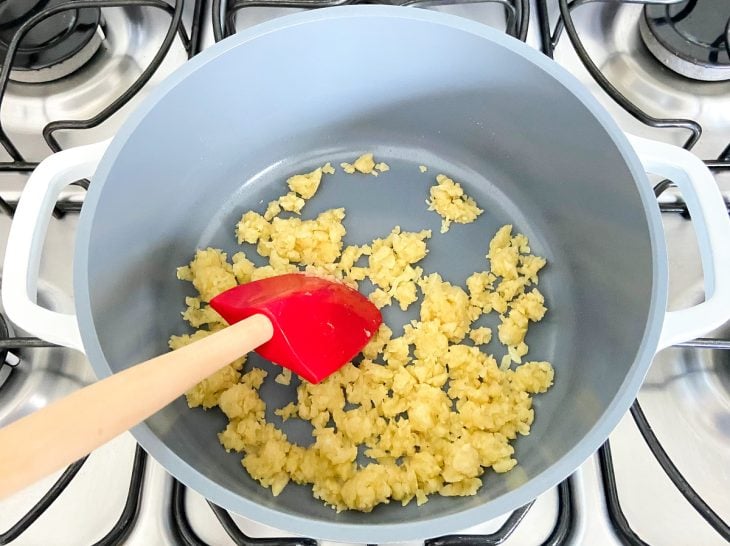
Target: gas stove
x=662 y=68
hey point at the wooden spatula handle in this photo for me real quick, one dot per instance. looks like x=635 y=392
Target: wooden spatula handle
x=68 y=429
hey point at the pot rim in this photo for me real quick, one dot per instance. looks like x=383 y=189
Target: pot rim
x=403 y=531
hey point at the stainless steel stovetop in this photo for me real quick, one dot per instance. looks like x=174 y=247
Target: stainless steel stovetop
x=670 y=489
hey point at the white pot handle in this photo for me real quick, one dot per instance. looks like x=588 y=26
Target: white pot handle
x=25 y=244
x=712 y=226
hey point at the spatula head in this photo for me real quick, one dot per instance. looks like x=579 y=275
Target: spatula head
x=319 y=325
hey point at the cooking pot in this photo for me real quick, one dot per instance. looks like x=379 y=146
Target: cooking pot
x=532 y=146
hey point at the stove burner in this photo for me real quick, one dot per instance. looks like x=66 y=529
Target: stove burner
x=8 y=360
x=690 y=37
x=53 y=48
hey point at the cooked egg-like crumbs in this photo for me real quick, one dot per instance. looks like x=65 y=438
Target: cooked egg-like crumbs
x=308 y=242
x=365 y=164
x=290 y=202
x=481 y=336
x=422 y=168
x=306 y=185
x=448 y=199
x=430 y=412
x=210 y=273
x=252 y=227
x=284 y=378
x=390 y=266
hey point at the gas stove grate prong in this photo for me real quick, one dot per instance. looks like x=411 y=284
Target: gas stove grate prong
x=130 y=513
x=493 y=539
x=615 y=513
x=619 y=522
x=230 y=527
x=517 y=12
x=124 y=525
x=42 y=505
x=564 y=528
x=179 y=524
x=673 y=473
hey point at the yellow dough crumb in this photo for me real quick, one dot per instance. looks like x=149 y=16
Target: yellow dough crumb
x=284 y=378
x=448 y=305
x=422 y=168
x=391 y=266
x=291 y=202
x=210 y=273
x=430 y=412
x=448 y=199
x=481 y=336
x=365 y=164
x=306 y=185
x=252 y=227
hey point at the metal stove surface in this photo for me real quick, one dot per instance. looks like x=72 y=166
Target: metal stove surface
x=686 y=397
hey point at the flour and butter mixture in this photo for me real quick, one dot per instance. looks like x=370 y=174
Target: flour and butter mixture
x=430 y=410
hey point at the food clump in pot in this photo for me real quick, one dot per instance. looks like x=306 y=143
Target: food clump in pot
x=448 y=199
x=365 y=164
x=424 y=412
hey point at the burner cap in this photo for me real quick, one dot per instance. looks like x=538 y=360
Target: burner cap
x=690 y=37
x=55 y=47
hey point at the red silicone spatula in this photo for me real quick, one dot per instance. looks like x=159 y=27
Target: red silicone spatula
x=310 y=325
x=319 y=325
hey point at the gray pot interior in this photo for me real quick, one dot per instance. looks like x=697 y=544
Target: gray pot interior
x=415 y=90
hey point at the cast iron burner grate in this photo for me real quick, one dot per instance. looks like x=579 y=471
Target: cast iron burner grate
x=550 y=37
x=192 y=44
x=53 y=48
x=223 y=12
x=517 y=12
x=690 y=38
x=8 y=360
